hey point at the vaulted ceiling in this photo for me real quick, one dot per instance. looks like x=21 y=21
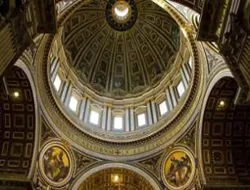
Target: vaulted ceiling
x=226 y=136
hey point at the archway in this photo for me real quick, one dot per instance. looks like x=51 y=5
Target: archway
x=225 y=137
x=17 y=126
x=113 y=176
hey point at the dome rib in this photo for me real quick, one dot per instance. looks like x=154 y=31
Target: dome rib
x=77 y=30
x=144 y=70
x=158 y=66
x=99 y=57
x=159 y=32
x=111 y=65
x=88 y=43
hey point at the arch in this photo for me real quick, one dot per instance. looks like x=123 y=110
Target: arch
x=94 y=170
x=224 y=135
x=223 y=72
x=22 y=64
x=18 y=122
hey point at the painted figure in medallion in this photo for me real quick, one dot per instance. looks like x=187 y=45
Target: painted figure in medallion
x=56 y=164
x=178 y=169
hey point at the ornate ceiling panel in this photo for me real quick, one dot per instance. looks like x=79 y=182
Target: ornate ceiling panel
x=17 y=123
x=121 y=64
x=226 y=136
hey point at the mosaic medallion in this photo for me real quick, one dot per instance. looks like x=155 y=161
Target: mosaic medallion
x=178 y=169
x=55 y=164
x=121 y=15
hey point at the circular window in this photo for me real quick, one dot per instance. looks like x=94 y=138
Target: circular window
x=120 y=14
x=121 y=11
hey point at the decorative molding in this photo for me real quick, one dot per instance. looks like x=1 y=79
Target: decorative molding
x=83 y=162
x=153 y=165
x=46 y=132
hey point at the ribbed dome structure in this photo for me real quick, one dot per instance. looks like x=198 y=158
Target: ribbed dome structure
x=121 y=74
x=121 y=58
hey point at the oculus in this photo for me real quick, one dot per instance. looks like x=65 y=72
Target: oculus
x=121 y=11
x=121 y=15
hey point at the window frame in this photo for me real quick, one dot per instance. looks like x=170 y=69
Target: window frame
x=177 y=89
x=190 y=63
x=90 y=116
x=140 y=110
x=145 y=119
x=167 y=108
x=61 y=83
x=113 y=123
x=76 y=96
x=95 y=108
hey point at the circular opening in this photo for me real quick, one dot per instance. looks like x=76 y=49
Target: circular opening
x=121 y=11
x=121 y=15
